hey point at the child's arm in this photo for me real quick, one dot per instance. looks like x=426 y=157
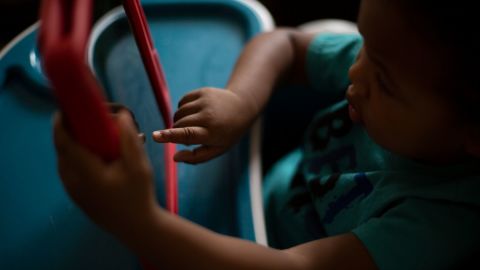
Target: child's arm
x=119 y=196
x=217 y=119
x=170 y=242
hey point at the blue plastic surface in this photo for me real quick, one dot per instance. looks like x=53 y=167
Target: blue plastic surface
x=40 y=227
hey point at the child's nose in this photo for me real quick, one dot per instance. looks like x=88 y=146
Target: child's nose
x=352 y=72
x=355 y=71
x=358 y=77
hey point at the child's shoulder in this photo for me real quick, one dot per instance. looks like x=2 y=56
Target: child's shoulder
x=328 y=59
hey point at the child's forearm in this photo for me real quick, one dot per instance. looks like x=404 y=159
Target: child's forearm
x=217 y=119
x=170 y=242
x=265 y=61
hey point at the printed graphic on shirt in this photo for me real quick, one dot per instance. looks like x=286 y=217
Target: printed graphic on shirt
x=335 y=122
x=324 y=177
x=361 y=189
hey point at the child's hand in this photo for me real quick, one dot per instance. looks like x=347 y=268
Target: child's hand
x=116 y=195
x=117 y=107
x=213 y=118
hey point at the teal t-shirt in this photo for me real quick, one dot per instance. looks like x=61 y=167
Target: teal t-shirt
x=408 y=215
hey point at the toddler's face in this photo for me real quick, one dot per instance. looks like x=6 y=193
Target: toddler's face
x=395 y=88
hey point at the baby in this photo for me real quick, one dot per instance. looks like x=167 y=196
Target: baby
x=387 y=179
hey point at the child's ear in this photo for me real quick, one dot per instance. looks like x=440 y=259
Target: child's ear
x=472 y=143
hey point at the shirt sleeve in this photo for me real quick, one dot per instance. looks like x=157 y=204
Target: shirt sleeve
x=329 y=57
x=422 y=234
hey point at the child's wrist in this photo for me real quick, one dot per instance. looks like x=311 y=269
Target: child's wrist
x=141 y=235
x=250 y=103
x=134 y=229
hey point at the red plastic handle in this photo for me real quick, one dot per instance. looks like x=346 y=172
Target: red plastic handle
x=64 y=32
x=150 y=58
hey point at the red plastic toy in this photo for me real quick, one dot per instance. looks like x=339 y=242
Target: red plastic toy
x=64 y=32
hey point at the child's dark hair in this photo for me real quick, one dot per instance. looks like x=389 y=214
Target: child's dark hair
x=453 y=25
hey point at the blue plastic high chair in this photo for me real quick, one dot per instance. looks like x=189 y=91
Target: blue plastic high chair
x=198 y=42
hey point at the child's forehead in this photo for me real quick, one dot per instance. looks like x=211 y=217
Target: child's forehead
x=389 y=31
x=390 y=36
x=382 y=24
x=393 y=22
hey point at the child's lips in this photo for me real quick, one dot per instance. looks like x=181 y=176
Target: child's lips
x=353 y=112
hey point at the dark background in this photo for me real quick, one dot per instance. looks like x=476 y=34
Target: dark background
x=16 y=15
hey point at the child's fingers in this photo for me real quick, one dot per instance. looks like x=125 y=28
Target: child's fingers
x=187 y=109
x=186 y=135
x=191 y=96
x=115 y=108
x=60 y=138
x=70 y=176
x=191 y=120
x=71 y=153
x=197 y=155
x=132 y=150
x=142 y=137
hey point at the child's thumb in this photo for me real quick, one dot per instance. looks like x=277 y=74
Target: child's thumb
x=132 y=149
